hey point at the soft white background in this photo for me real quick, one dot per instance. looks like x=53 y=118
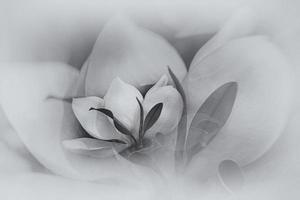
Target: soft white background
x=65 y=31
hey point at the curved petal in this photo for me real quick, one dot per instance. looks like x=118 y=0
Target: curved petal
x=43 y=122
x=172 y=107
x=121 y=100
x=242 y=23
x=132 y=53
x=95 y=123
x=93 y=147
x=263 y=102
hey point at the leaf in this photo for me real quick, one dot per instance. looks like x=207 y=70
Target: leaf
x=115 y=141
x=182 y=125
x=177 y=85
x=231 y=175
x=119 y=126
x=141 y=127
x=210 y=118
x=104 y=111
x=152 y=116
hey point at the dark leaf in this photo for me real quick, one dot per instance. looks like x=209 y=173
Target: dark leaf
x=210 y=118
x=231 y=175
x=120 y=127
x=114 y=141
x=152 y=116
x=182 y=126
x=141 y=128
x=104 y=111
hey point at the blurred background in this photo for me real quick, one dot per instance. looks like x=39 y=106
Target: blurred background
x=65 y=31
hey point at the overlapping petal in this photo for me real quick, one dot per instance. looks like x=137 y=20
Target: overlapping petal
x=121 y=100
x=32 y=98
x=172 y=106
x=95 y=123
x=136 y=55
x=264 y=96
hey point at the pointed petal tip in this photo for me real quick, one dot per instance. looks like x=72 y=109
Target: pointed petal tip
x=117 y=79
x=233 y=84
x=229 y=86
x=72 y=145
x=163 y=81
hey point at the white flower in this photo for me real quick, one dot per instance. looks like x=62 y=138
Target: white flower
x=122 y=100
x=52 y=129
x=173 y=105
x=49 y=126
x=123 y=47
x=264 y=99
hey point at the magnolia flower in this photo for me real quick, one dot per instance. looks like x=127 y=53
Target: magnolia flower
x=126 y=72
x=131 y=71
x=122 y=102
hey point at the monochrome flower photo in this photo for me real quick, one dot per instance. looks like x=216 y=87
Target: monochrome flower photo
x=149 y=100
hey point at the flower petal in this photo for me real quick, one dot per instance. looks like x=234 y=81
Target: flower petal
x=263 y=102
x=242 y=23
x=132 y=53
x=80 y=83
x=43 y=122
x=121 y=100
x=93 y=147
x=172 y=107
x=95 y=123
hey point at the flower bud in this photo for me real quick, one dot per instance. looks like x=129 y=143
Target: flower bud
x=121 y=100
x=172 y=106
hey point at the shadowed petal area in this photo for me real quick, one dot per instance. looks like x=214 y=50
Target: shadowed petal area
x=93 y=147
x=121 y=100
x=231 y=175
x=136 y=55
x=43 y=122
x=95 y=123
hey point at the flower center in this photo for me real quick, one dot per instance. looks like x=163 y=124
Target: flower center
x=145 y=124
